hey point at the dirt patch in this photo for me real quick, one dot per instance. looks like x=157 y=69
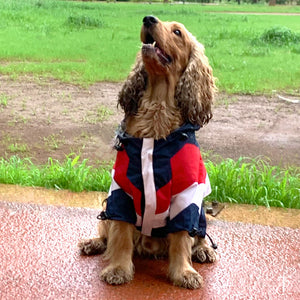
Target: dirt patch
x=256 y=13
x=41 y=119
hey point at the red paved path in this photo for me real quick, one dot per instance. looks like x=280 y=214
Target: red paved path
x=39 y=260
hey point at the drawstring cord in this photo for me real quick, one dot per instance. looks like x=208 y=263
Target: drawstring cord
x=213 y=245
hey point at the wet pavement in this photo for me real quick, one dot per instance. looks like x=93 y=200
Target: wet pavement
x=39 y=258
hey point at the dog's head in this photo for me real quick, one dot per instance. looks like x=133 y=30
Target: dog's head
x=166 y=47
x=170 y=50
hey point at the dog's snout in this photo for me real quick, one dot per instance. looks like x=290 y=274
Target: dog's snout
x=149 y=21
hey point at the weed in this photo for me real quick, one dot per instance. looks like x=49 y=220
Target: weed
x=34 y=111
x=14 y=148
x=66 y=98
x=84 y=22
x=6 y=138
x=225 y=101
x=53 y=141
x=81 y=140
x=101 y=114
x=83 y=137
x=14 y=145
x=23 y=119
x=257 y=51
x=66 y=111
x=24 y=105
x=17 y=119
x=49 y=120
x=280 y=35
x=3 y=100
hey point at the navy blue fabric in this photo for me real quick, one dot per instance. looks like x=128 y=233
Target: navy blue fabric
x=187 y=219
x=120 y=207
x=133 y=147
x=202 y=223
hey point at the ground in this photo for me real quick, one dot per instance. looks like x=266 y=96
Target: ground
x=45 y=118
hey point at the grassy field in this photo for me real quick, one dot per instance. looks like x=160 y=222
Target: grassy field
x=84 y=42
x=81 y=42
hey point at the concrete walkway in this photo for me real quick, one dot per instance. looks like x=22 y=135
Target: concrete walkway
x=39 y=258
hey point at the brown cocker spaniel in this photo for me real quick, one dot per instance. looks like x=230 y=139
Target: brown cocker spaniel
x=154 y=207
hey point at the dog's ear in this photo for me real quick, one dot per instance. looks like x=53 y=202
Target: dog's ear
x=133 y=88
x=196 y=88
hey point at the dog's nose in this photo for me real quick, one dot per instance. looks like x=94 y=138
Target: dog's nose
x=149 y=21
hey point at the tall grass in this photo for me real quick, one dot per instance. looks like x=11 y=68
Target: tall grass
x=70 y=174
x=280 y=35
x=83 y=42
x=249 y=181
x=254 y=181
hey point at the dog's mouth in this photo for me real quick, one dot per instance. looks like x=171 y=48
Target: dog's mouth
x=150 y=44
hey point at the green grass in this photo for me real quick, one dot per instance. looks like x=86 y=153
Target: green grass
x=254 y=181
x=86 y=42
x=18 y=147
x=3 y=101
x=71 y=174
x=249 y=181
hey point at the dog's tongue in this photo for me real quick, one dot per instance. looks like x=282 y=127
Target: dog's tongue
x=164 y=59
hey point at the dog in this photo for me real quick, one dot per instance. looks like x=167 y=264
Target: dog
x=154 y=207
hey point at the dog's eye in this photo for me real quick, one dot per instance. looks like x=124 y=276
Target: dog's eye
x=177 y=32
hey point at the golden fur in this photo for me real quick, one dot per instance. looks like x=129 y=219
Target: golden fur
x=158 y=98
x=170 y=84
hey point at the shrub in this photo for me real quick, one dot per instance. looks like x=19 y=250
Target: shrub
x=280 y=35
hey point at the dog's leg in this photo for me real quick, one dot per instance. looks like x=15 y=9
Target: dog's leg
x=202 y=251
x=181 y=271
x=92 y=246
x=96 y=245
x=119 y=253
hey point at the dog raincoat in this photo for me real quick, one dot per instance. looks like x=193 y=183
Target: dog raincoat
x=159 y=185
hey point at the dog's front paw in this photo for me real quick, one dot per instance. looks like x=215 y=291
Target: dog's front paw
x=203 y=253
x=189 y=279
x=116 y=275
x=92 y=246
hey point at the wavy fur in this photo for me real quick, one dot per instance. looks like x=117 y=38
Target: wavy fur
x=192 y=83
